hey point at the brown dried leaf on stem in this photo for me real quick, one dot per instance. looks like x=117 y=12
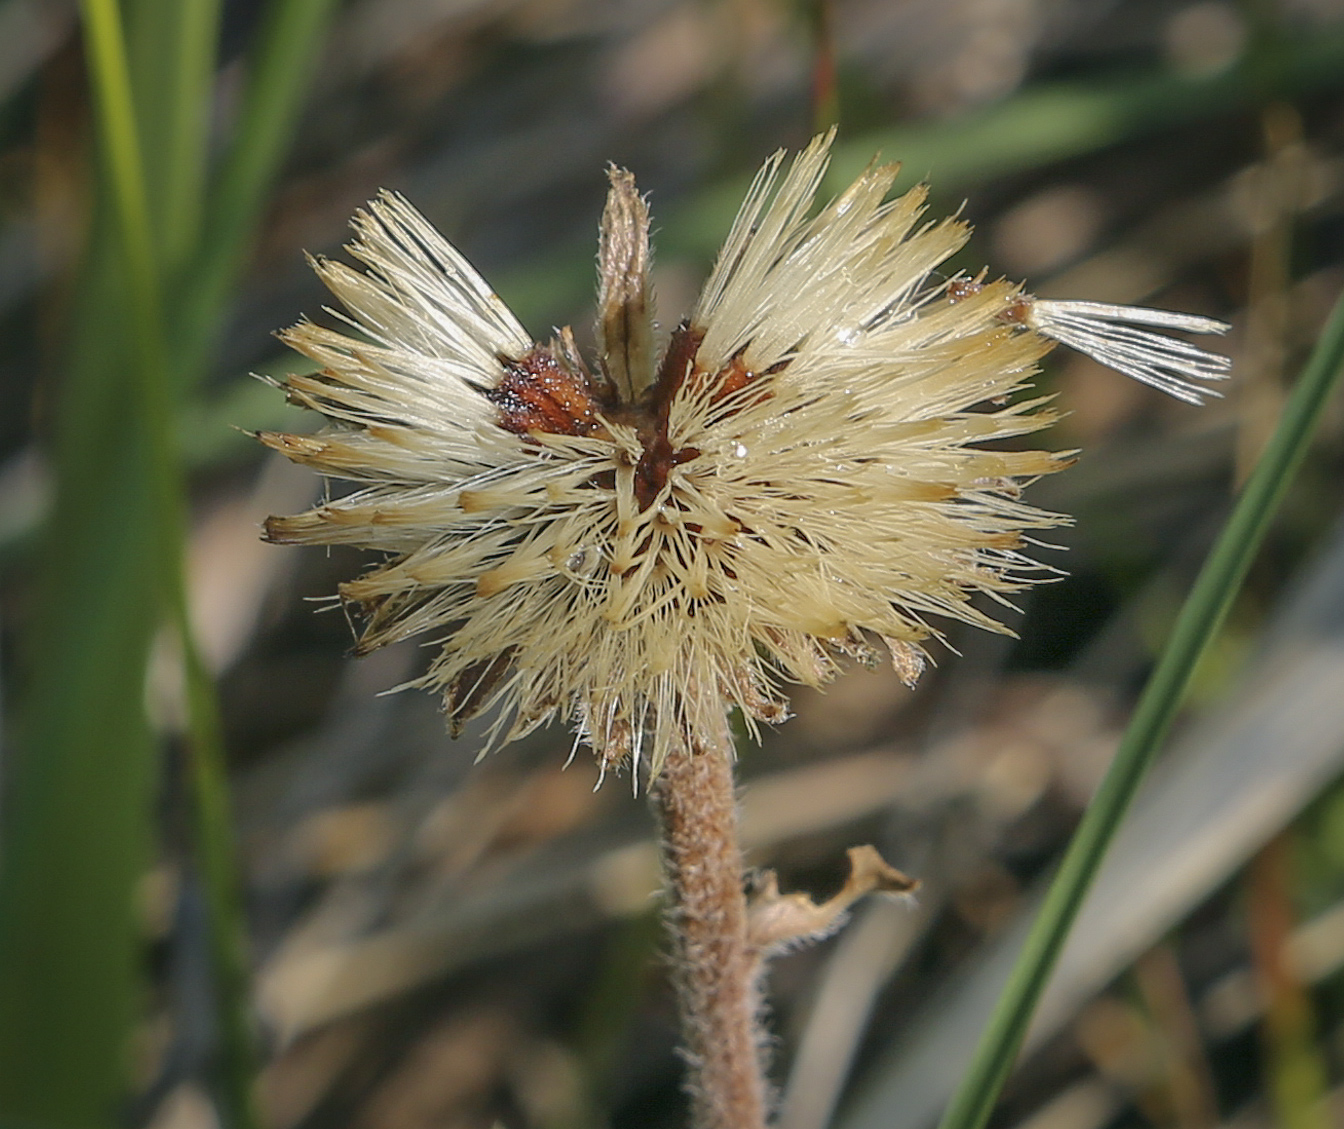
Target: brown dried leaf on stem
x=720 y=942
x=777 y=920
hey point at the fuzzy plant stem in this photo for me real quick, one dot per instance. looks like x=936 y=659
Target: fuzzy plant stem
x=716 y=966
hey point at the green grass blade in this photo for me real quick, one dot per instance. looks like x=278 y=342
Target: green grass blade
x=125 y=179
x=78 y=838
x=77 y=834
x=1197 y=624
x=173 y=53
x=286 y=50
x=85 y=782
x=171 y=45
x=282 y=61
x=213 y=835
x=216 y=862
x=82 y=782
x=284 y=58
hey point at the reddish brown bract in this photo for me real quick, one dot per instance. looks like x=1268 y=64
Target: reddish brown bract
x=539 y=393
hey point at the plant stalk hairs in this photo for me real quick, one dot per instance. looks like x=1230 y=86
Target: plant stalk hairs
x=806 y=469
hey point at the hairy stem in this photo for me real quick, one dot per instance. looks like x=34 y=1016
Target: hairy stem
x=717 y=966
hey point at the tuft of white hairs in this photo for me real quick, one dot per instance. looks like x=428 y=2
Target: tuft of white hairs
x=1106 y=333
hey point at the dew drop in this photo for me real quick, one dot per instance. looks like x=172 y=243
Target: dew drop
x=583 y=562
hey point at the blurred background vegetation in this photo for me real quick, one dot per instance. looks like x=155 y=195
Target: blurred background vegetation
x=238 y=887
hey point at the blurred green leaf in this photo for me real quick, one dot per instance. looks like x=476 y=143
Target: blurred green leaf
x=171 y=44
x=79 y=832
x=283 y=60
x=80 y=788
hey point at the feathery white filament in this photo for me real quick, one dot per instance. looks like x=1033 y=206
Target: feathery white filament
x=1104 y=332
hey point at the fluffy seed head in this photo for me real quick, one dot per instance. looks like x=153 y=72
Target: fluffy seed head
x=806 y=467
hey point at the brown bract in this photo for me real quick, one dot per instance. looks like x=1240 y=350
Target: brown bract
x=546 y=393
x=538 y=392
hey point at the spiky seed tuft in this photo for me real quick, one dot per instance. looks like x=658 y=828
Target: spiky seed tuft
x=814 y=461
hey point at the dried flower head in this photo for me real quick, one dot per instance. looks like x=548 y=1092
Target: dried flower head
x=807 y=464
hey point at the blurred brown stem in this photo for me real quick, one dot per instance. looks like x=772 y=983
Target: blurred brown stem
x=716 y=966
x=1277 y=197
x=825 y=89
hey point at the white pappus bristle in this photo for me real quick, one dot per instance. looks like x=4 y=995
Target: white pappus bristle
x=1106 y=333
